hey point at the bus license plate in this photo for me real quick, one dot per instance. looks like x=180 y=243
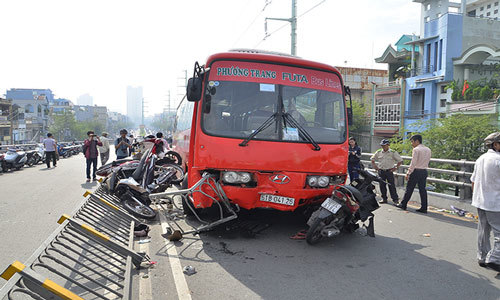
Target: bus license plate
x=331 y=205
x=277 y=199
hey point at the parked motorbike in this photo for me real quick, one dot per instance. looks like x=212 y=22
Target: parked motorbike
x=15 y=159
x=342 y=211
x=3 y=168
x=31 y=157
x=40 y=154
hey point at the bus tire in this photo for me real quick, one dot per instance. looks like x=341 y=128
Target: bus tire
x=187 y=205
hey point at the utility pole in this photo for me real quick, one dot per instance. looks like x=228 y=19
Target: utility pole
x=293 y=23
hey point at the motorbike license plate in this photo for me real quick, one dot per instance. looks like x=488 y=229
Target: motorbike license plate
x=331 y=205
x=277 y=199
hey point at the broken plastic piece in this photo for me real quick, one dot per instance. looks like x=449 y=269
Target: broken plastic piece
x=427 y=234
x=189 y=270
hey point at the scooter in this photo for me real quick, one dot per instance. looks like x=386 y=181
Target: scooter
x=31 y=158
x=342 y=211
x=15 y=159
x=40 y=154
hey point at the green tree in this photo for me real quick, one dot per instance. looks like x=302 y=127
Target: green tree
x=457 y=137
x=64 y=127
x=486 y=93
x=361 y=117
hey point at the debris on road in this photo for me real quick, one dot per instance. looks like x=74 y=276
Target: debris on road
x=189 y=270
x=426 y=235
x=144 y=241
x=459 y=211
x=176 y=236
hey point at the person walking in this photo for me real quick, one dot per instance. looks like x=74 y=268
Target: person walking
x=50 y=146
x=122 y=145
x=104 y=149
x=486 y=198
x=353 y=163
x=388 y=162
x=91 y=153
x=417 y=173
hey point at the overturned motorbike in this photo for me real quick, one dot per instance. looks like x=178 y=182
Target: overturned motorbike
x=342 y=211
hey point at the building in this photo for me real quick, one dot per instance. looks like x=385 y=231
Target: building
x=30 y=113
x=85 y=113
x=85 y=99
x=60 y=106
x=483 y=9
x=5 y=121
x=452 y=48
x=361 y=81
x=134 y=104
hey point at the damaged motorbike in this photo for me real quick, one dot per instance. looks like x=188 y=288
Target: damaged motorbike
x=342 y=211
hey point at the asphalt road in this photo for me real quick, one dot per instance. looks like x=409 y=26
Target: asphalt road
x=32 y=200
x=399 y=263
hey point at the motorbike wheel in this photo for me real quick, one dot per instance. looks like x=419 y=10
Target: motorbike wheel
x=313 y=235
x=171 y=157
x=138 y=210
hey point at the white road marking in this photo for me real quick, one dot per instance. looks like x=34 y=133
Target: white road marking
x=145 y=289
x=175 y=264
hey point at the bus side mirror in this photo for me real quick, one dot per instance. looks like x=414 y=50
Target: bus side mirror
x=350 y=119
x=193 y=89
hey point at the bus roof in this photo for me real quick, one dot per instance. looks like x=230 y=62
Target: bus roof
x=273 y=57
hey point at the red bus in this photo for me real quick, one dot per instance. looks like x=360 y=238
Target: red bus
x=272 y=128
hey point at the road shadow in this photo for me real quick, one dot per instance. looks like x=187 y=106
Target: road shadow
x=45 y=169
x=350 y=266
x=89 y=185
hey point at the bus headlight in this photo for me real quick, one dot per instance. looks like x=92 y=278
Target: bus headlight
x=312 y=181
x=230 y=177
x=245 y=177
x=323 y=181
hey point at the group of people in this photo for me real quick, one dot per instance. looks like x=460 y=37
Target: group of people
x=485 y=186
x=386 y=161
x=95 y=146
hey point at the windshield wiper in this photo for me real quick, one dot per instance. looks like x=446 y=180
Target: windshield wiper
x=262 y=127
x=288 y=118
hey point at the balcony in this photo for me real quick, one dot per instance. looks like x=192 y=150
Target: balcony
x=420 y=71
x=387 y=114
x=416 y=114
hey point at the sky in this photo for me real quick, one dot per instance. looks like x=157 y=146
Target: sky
x=100 y=47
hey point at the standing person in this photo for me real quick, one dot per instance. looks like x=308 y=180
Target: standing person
x=417 y=173
x=389 y=161
x=104 y=149
x=50 y=146
x=91 y=153
x=122 y=145
x=486 y=197
x=131 y=150
x=159 y=135
x=354 y=159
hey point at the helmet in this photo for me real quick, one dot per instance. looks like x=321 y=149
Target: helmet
x=384 y=142
x=492 y=138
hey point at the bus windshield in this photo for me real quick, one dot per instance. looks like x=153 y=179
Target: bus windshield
x=237 y=108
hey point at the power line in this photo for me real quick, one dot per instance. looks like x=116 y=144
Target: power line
x=268 y=2
x=283 y=26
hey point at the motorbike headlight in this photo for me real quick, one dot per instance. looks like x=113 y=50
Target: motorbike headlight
x=230 y=177
x=245 y=177
x=312 y=181
x=323 y=181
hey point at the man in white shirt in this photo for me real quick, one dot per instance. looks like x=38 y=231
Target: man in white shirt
x=104 y=149
x=486 y=197
x=50 y=146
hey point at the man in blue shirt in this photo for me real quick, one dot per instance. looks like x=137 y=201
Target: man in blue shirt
x=122 y=145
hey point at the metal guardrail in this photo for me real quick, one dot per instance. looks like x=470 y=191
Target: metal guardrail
x=89 y=256
x=461 y=184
